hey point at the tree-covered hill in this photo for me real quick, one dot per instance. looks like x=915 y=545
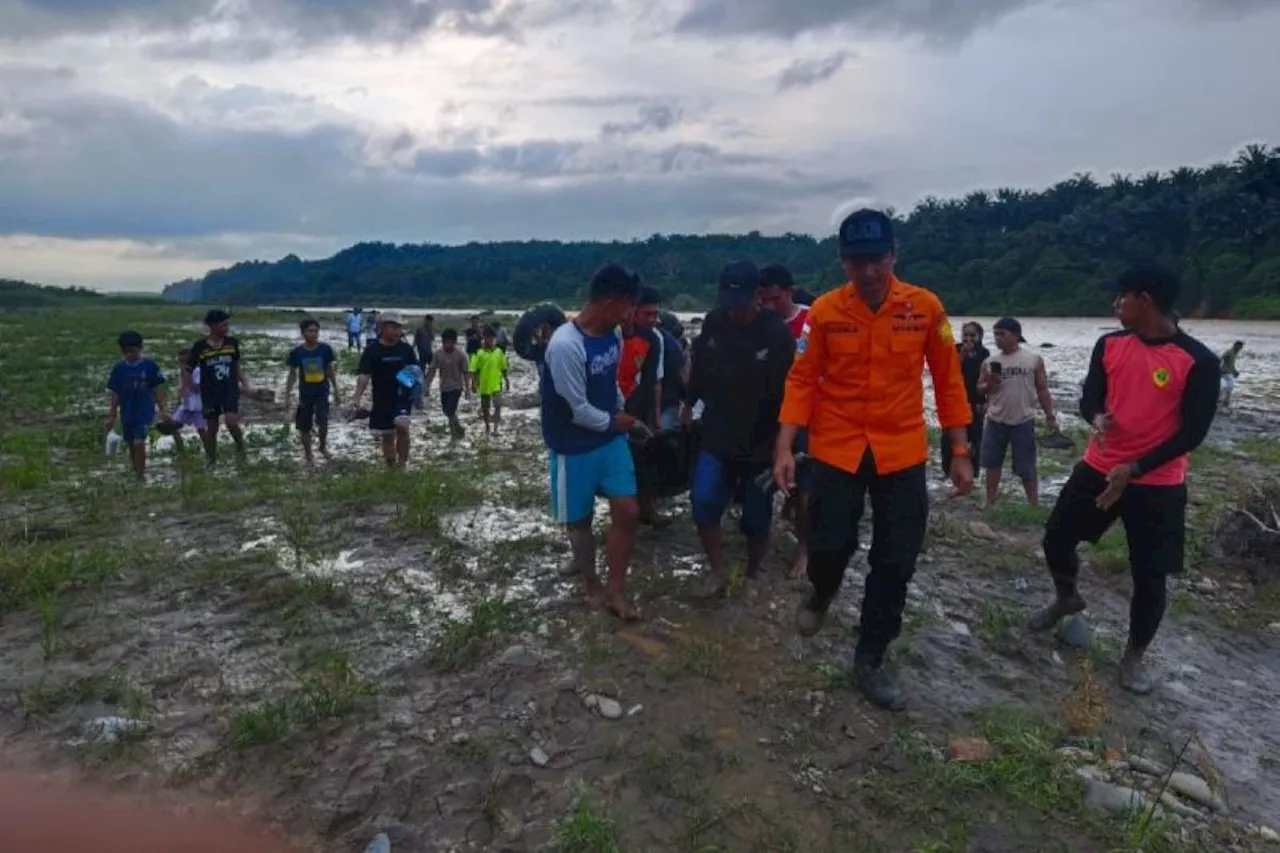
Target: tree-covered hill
x=997 y=251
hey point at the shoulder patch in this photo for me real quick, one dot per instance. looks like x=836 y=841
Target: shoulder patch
x=944 y=329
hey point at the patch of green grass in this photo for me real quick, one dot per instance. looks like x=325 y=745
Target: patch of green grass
x=698 y=658
x=431 y=495
x=999 y=623
x=1260 y=450
x=331 y=691
x=265 y=723
x=1111 y=553
x=586 y=829
x=1013 y=512
x=1182 y=602
x=1103 y=651
x=462 y=642
x=834 y=677
x=45 y=699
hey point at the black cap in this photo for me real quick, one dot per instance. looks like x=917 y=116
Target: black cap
x=1008 y=324
x=216 y=316
x=1152 y=278
x=739 y=282
x=866 y=232
x=129 y=339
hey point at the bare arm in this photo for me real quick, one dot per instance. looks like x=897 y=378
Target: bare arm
x=984 y=380
x=1042 y=391
x=332 y=372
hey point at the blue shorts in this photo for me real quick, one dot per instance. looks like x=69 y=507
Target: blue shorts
x=135 y=433
x=804 y=472
x=716 y=482
x=577 y=478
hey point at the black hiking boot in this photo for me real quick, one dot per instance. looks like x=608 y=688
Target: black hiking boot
x=1061 y=607
x=878 y=686
x=1134 y=675
x=810 y=616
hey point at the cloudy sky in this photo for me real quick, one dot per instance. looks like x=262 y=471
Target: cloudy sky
x=144 y=141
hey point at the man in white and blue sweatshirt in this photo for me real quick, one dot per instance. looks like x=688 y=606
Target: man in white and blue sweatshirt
x=586 y=429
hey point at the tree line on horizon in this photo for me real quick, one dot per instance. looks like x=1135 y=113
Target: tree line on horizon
x=1037 y=253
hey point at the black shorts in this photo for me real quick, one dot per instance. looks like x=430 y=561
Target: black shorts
x=449 y=402
x=1154 y=518
x=220 y=401
x=313 y=410
x=384 y=420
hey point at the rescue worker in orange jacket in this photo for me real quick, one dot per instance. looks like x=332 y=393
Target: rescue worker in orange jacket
x=857 y=386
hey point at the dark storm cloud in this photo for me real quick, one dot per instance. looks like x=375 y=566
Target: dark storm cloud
x=651 y=118
x=110 y=168
x=306 y=21
x=804 y=73
x=937 y=18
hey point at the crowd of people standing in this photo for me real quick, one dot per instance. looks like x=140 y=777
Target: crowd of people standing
x=823 y=402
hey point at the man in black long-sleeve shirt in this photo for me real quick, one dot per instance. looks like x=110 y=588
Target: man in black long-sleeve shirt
x=740 y=364
x=1150 y=395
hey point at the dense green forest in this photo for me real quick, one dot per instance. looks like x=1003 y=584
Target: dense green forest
x=21 y=294
x=1007 y=250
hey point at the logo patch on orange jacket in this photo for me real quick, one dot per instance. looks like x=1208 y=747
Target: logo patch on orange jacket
x=944 y=330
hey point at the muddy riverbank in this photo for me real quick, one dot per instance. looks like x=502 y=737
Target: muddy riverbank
x=345 y=651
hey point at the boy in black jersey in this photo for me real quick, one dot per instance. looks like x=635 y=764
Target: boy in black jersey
x=311 y=368
x=221 y=381
x=384 y=364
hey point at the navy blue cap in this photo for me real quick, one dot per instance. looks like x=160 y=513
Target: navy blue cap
x=739 y=282
x=1152 y=278
x=866 y=232
x=1012 y=326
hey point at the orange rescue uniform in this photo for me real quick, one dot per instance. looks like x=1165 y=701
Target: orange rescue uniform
x=858 y=378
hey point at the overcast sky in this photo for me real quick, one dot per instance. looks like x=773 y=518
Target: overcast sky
x=143 y=141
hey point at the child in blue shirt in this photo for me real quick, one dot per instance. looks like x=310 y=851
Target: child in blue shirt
x=135 y=385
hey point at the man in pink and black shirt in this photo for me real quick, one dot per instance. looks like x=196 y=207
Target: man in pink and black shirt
x=1150 y=395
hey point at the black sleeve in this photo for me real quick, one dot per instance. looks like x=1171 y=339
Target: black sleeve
x=193 y=360
x=697 y=373
x=653 y=358
x=1093 y=399
x=781 y=354
x=410 y=355
x=366 y=361
x=1199 y=405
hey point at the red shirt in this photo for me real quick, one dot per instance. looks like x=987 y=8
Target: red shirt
x=796 y=323
x=1161 y=396
x=635 y=349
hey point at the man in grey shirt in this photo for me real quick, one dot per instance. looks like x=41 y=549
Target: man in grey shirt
x=454 y=370
x=1013 y=381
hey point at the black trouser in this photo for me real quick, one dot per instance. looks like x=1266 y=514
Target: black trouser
x=974 y=431
x=1154 y=520
x=899 y=514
